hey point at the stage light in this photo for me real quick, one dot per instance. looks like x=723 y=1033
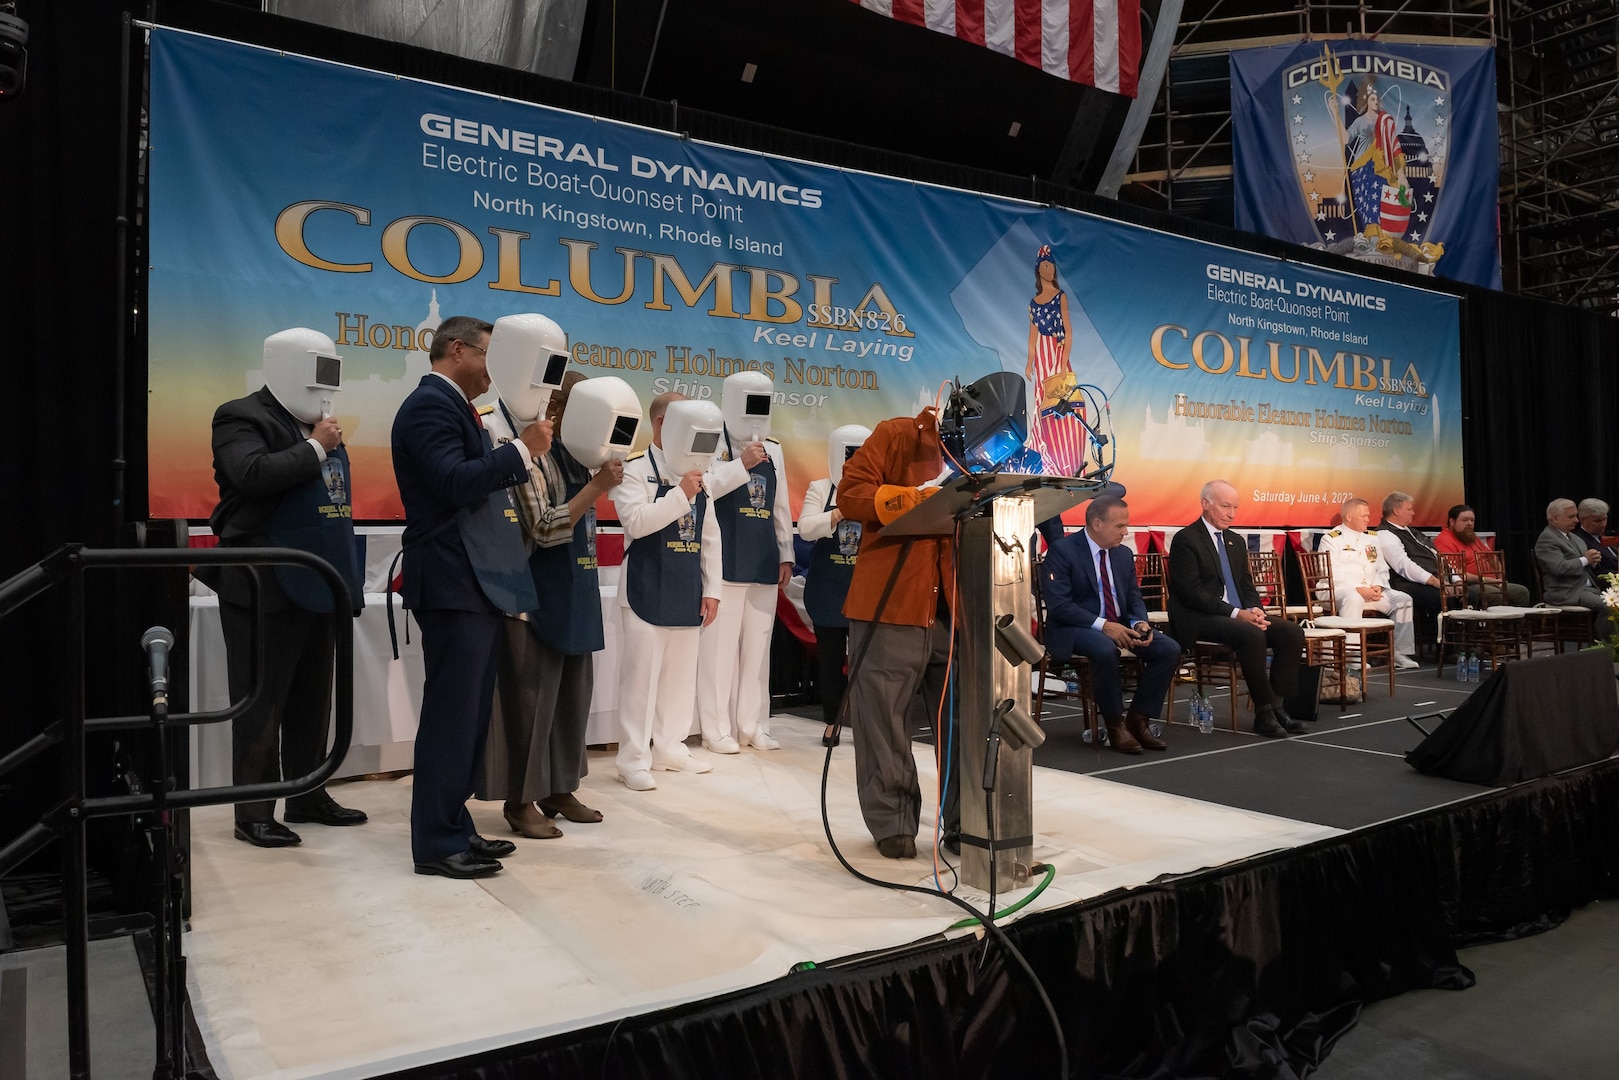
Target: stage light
x=13 y=52
x=1018 y=728
x=1016 y=643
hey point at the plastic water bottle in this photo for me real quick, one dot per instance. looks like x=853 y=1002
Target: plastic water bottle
x=1473 y=668
x=1461 y=667
x=1072 y=687
x=1205 y=718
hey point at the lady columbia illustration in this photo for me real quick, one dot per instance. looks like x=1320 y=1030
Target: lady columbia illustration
x=1056 y=433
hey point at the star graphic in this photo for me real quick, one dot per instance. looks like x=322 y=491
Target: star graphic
x=1428 y=197
x=1321 y=215
x=1297 y=100
x=1440 y=120
x=1299 y=138
x=1331 y=235
x=1422 y=217
x=1309 y=176
x=1439 y=140
x=1304 y=159
x=1315 y=196
x=1298 y=118
x=1438 y=100
x=1416 y=236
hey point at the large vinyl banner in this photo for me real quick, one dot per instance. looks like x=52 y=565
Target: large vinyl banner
x=1384 y=153
x=291 y=192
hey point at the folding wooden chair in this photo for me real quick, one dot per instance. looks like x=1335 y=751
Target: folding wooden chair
x=1372 y=637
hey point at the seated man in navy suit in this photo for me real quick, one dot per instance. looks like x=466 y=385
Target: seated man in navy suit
x=1094 y=608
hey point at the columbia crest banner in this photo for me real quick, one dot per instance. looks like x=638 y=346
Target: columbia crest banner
x=291 y=192
x=1384 y=153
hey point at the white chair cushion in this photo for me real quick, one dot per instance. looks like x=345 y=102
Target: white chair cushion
x=1322 y=633
x=1156 y=617
x=1344 y=622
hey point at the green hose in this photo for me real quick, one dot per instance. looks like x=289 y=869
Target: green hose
x=1051 y=872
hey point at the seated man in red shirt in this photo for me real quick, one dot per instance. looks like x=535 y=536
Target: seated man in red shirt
x=1458 y=538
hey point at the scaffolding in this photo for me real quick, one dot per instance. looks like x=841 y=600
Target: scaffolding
x=1560 y=152
x=1558 y=95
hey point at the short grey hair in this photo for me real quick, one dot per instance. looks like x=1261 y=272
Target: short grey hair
x=1098 y=509
x=1351 y=503
x=1394 y=500
x=1557 y=506
x=1592 y=508
x=1207 y=492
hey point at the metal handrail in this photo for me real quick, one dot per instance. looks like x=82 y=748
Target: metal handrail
x=67 y=820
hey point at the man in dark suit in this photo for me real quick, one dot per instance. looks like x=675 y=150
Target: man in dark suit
x=1590 y=531
x=1568 y=568
x=1212 y=598
x=465 y=564
x=1094 y=608
x=283 y=481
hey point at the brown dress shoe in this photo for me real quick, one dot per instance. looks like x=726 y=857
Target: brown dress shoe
x=1120 y=739
x=1141 y=727
x=527 y=821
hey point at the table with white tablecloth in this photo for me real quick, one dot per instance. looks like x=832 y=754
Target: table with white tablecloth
x=387 y=692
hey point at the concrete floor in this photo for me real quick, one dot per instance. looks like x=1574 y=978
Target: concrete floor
x=1545 y=1006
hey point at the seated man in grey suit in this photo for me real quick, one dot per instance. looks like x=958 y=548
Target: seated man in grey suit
x=1567 y=567
x=1094 y=608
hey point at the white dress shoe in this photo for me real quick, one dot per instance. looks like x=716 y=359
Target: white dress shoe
x=723 y=745
x=1405 y=663
x=762 y=741
x=639 y=780
x=682 y=764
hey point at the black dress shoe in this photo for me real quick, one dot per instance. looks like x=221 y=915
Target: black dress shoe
x=1289 y=725
x=267 y=834
x=324 y=813
x=834 y=738
x=490 y=849
x=1265 y=724
x=463 y=864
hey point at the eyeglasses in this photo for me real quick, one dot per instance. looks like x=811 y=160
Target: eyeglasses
x=470 y=345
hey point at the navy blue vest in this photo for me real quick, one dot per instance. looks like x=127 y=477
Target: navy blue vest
x=317 y=517
x=569 y=615
x=831 y=568
x=493 y=538
x=665 y=570
x=748 y=552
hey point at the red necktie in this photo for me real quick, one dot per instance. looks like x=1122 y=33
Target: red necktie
x=1110 y=609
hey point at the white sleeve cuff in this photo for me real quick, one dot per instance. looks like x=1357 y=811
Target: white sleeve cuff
x=1099 y=623
x=522 y=448
x=320 y=451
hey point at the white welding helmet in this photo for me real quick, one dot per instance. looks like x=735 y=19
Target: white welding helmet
x=600 y=421
x=303 y=371
x=839 y=445
x=528 y=355
x=691 y=433
x=745 y=400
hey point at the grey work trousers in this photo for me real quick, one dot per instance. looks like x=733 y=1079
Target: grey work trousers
x=890 y=666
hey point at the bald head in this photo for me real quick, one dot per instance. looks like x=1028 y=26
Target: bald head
x=655 y=411
x=1220 y=503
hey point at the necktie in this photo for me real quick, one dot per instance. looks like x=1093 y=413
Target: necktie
x=1110 y=607
x=1231 y=596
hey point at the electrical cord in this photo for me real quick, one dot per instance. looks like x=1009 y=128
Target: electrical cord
x=986 y=920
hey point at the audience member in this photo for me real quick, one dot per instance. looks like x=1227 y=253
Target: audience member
x=1360 y=578
x=1458 y=538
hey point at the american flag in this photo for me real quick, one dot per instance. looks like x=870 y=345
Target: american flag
x=1095 y=42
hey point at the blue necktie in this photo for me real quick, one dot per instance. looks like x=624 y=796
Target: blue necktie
x=1231 y=596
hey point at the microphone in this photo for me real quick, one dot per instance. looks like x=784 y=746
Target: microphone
x=157 y=642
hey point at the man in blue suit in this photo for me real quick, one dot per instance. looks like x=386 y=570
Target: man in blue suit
x=464 y=564
x=1094 y=608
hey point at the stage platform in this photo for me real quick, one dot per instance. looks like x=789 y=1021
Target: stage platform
x=697 y=899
